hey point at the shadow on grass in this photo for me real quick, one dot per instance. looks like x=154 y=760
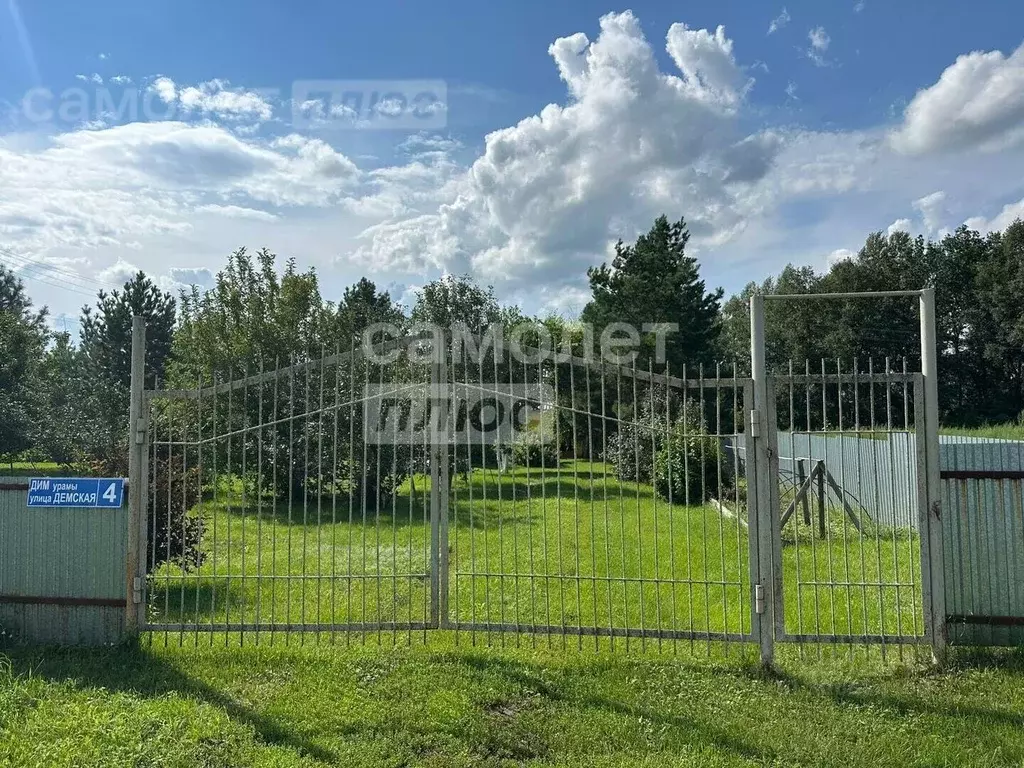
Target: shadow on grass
x=134 y=670
x=860 y=692
x=699 y=734
x=489 y=495
x=857 y=692
x=177 y=600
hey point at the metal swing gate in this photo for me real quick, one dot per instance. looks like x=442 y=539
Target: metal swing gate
x=636 y=506
x=847 y=486
x=284 y=502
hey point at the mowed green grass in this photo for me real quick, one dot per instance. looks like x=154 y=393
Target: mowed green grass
x=564 y=548
x=1013 y=430
x=30 y=469
x=441 y=706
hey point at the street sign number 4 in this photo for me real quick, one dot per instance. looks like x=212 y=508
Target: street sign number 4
x=88 y=492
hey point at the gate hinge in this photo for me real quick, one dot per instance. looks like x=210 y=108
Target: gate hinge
x=137 y=589
x=755 y=423
x=758 y=598
x=140 y=430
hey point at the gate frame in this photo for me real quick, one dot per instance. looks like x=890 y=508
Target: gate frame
x=929 y=485
x=138 y=485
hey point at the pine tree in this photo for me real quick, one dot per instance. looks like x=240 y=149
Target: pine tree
x=107 y=332
x=23 y=337
x=654 y=281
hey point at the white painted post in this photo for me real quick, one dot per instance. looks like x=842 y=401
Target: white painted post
x=931 y=540
x=136 y=480
x=759 y=499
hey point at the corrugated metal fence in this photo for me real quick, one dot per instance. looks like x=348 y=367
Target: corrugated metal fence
x=982 y=500
x=62 y=571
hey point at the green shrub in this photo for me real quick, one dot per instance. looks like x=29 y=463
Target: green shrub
x=534 y=448
x=691 y=466
x=640 y=432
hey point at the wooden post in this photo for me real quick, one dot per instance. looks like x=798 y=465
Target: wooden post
x=820 y=471
x=801 y=479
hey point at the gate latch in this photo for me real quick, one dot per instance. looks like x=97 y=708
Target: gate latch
x=137 y=589
x=758 y=598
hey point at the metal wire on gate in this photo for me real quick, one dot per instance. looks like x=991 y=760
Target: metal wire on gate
x=587 y=533
x=502 y=497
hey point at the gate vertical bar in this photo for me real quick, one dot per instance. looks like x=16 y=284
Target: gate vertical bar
x=446 y=425
x=759 y=514
x=136 y=487
x=934 y=591
x=434 y=428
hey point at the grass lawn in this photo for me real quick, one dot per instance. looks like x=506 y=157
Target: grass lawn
x=1013 y=430
x=441 y=706
x=29 y=469
x=567 y=547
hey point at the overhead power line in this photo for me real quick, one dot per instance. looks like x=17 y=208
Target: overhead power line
x=28 y=262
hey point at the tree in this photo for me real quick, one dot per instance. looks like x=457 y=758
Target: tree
x=23 y=337
x=362 y=305
x=654 y=281
x=998 y=327
x=107 y=331
x=106 y=350
x=68 y=402
x=456 y=305
x=255 y=320
x=451 y=299
x=252 y=317
x=793 y=329
x=969 y=381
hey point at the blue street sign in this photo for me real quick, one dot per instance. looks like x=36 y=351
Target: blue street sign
x=76 y=492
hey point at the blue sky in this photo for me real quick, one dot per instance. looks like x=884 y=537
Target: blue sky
x=786 y=135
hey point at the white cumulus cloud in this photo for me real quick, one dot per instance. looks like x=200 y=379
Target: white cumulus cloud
x=933 y=211
x=978 y=101
x=214 y=97
x=1009 y=214
x=631 y=143
x=900 y=225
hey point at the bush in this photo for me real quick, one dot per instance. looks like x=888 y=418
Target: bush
x=691 y=466
x=533 y=448
x=175 y=535
x=641 y=433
